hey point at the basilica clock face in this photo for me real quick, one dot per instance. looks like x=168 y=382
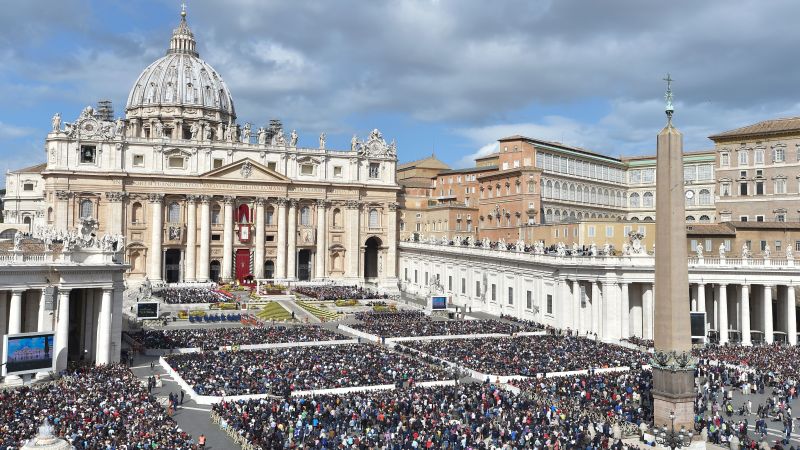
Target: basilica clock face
x=689 y=194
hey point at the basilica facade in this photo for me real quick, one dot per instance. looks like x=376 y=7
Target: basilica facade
x=199 y=197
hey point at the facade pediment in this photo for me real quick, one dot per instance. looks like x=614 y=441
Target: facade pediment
x=245 y=170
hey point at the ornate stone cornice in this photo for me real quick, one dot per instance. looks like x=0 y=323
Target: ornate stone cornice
x=292 y=202
x=352 y=204
x=204 y=198
x=281 y=201
x=393 y=206
x=155 y=198
x=191 y=198
x=323 y=203
x=116 y=196
x=63 y=195
x=228 y=199
x=260 y=201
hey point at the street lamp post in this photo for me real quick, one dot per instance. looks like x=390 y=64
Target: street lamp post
x=671 y=438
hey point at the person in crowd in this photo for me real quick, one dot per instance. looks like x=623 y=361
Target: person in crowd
x=218 y=337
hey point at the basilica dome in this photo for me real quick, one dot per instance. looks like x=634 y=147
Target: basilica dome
x=182 y=83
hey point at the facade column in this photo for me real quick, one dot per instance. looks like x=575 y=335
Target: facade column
x=291 y=250
x=3 y=318
x=116 y=214
x=625 y=329
x=596 y=311
x=723 y=314
x=227 y=239
x=62 y=330
x=745 y=308
x=322 y=241
x=701 y=302
x=609 y=322
x=647 y=311
x=791 y=317
x=15 y=312
x=258 y=264
x=103 y=353
x=390 y=271
x=353 y=242
x=204 y=261
x=157 y=224
x=767 y=311
x=45 y=322
x=61 y=210
x=191 y=239
x=693 y=296
x=576 y=306
x=280 y=268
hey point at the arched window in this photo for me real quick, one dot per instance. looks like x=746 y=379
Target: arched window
x=557 y=190
x=572 y=192
x=49 y=214
x=270 y=215
x=564 y=194
x=689 y=218
x=605 y=197
x=558 y=216
x=174 y=213
x=593 y=198
x=374 y=218
x=136 y=213
x=86 y=209
x=648 y=219
x=705 y=219
x=337 y=217
x=216 y=216
x=647 y=199
x=548 y=189
x=705 y=197
x=305 y=216
x=635 y=200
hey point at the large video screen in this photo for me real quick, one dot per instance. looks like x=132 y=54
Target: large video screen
x=147 y=310
x=439 y=302
x=698 y=324
x=28 y=353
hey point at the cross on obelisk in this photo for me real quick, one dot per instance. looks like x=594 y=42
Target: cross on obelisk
x=673 y=368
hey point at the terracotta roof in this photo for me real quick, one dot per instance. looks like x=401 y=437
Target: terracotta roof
x=416 y=182
x=431 y=162
x=710 y=229
x=33 y=169
x=469 y=170
x=518 y=137
x=766 y=225
x=766 y=127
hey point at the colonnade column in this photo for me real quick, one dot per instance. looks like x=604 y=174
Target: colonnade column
x=117 y=218
x=722 y=320
x=3 y=318
x=701 y=301
x=15 y=312
x=767 y=310
x=391 y=233
x=280 y=269
x=62 y=330
x=576 y=306
x=647 y=311
x=625 y=329
x=258 y=264
x=157 y=233
x=227 y=239
x=203 y=271
x=791 y=325
x=322 y=242
x=595 y=308
x=42 y=324
x=291 y=251
x=745 y=307
x=693 y=297
x=191 y=239
x=353 y=231
x=103 y=354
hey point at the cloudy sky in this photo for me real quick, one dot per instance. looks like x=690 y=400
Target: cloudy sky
x=450 y=76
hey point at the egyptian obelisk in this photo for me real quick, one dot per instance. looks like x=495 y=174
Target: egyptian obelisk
x=673 y=370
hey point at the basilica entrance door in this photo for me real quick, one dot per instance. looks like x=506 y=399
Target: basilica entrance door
x=242 y=263
x=172 y=265
x=304 y=265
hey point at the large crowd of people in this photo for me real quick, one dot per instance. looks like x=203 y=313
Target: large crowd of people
x=218 y=337
x=93 y=408
x=335 y=292
x=530 y=355
x=281 y=371
x=186 y=295
x=416 y=323
x=782 y=362
x=472 y=416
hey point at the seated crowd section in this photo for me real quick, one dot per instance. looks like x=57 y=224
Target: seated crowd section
x=185 y=295
x=472 y=416
x=334 y=292
x=530 y=355
x=416 y=323
x=93 y=408
x=217 y=337
x=282 y=371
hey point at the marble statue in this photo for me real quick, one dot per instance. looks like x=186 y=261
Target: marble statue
x=159 y=129
x=262 y=136
x=354 y=143
x=119 y=127
x=574 y=248
x=444 y=240
x=593 y=249
x=246 y=131
x=485 y=243
x=699 y=250
x=193 y=130
x=56 y=123
x=721 y=250
x=789 y=253
x=606 y=249
x=18 y=241
x=322 y=141
x=561 y=249
x=207 y=133
x=293 y=139
x=501 y=244
x=626 y=249
x=520 y=245
x=767 y=251
x=280 y=138
x=745 y=251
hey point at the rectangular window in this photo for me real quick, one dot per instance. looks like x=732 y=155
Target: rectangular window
x=374 y=170
x=529 y=299
x=743 y=218
x=609 y=231
x=742 y=188
x=463 y=286
x=426 y=278
x=763 y=245
x=759 y=188
x=693 y=244
x=778 y=246
x=337 y=171
x=780 y=217
x=590 y=231
x=549 y=304
x=450 y=283
x=689 y=173
x=779 y=155
x=175 y=162
x=270 y=238
x=477 y=289
x=306 y=169
x=705 y=172
x=494 y=292
x=760 y=156
x=27 y=187
x=272 y=165
x=759 y=218
x=405 y=274
x=510 y=296
x=138 y=160
x=726 y=189
x=216 y=237
x=797 y=246
x=727 y=243
x=626 y=230
x=725 y=159
x=780 y=186
x=217 y=163
x=742 y=158
x=708 y=245
x=88 y=154
x=415 y=277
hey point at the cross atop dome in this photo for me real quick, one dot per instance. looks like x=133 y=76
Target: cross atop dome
x=182 y=37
